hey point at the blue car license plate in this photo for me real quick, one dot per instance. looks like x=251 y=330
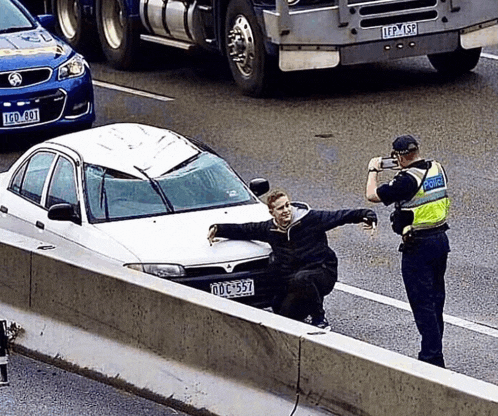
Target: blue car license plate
x=16 y=118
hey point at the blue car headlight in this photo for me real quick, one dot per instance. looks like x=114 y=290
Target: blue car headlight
x=73 y=68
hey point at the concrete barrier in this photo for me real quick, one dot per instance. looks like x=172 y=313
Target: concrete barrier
x=210 y=353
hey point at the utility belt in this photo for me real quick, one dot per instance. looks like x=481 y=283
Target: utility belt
x=423 y=233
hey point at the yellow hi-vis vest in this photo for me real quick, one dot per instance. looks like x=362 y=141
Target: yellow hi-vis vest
x=431 y=204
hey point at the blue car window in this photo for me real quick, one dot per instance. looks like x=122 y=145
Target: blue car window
x=62 y=187
x=12 y=18
x=29 y=180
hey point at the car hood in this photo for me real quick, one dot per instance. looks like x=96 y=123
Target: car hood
x=182 y=238
x=31 y=48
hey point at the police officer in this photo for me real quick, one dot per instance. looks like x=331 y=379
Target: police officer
x=419 y=194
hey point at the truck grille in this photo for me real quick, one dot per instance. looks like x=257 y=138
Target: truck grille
x=29 y=77
x=380 y=13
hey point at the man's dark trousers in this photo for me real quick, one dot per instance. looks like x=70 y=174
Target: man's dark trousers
x=423 y=266
x=304 y=293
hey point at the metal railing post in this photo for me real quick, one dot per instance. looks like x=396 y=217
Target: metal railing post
x=3 y=354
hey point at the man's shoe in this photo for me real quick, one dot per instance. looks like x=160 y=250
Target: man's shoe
x=322 y=324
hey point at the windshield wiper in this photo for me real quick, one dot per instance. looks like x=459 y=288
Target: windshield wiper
x=103 y=196
x=157 y=189
x=15 y=29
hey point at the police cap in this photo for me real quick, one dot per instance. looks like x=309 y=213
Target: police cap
x=405 y=144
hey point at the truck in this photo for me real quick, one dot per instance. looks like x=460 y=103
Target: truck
x=261 y=38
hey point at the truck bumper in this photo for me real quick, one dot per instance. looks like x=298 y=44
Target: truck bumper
x=301 y=46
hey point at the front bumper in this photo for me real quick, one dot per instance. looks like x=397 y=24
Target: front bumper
x=325 y=37
x=61 y=105
x=266 y=286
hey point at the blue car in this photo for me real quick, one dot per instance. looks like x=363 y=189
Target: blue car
x=45 y=86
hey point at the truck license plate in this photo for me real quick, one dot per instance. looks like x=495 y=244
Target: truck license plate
x=15 y=118
x=233 y=288
x=399 y=30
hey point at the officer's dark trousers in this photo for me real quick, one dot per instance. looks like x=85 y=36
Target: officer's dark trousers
x=304 y=293
x=423 y=266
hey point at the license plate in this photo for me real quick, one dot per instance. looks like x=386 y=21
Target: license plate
x=233 y=288
x=16 y=118
x=399 y=30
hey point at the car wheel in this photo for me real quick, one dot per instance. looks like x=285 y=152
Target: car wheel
x=251 y=67
x=73 y=27
x=457 y=62
x=119 y=35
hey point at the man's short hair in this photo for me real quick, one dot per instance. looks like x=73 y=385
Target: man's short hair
x=273 y=196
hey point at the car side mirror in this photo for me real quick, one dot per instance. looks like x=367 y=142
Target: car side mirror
x=47 y=21
x=259 y=186
x=63 y=212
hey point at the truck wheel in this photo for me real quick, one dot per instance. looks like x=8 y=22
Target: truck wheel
x=73 y=27
x=457 y=62
x=119 y=35
x=251 y=67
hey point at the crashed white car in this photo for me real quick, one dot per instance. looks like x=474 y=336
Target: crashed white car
x=146 y=197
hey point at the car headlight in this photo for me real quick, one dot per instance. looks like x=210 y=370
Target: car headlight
x=164 y=271
x=73 y=68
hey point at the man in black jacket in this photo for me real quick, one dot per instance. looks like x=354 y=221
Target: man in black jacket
x=302 y=257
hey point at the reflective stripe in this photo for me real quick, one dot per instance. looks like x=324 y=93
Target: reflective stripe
x=426 y=198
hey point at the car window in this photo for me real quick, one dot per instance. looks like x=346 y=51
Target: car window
x=62 y=188
x=113 y=195
x=205 y=182
x=12 y=18
x=30 y=179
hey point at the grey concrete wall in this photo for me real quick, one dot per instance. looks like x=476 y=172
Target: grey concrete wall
x=208 y=352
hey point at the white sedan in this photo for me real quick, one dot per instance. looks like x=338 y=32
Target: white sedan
x=146 y=197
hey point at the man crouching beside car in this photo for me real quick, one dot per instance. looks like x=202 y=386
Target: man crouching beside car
x=303 y=259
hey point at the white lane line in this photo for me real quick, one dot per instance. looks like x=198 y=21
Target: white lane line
x=489 y=56
x=131 y=91
x=462 y=323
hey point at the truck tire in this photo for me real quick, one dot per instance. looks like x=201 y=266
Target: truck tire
x=455 y=63
x=252 y=68
x=73 y=27
x=119 y=35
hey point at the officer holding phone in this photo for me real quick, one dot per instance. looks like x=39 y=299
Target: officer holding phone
x=419 y=194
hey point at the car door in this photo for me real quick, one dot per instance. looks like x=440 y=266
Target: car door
x=21 y=204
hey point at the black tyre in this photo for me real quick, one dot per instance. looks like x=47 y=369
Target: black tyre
x=74 y=28
x=119 y=35
x=252 y=69
x=457 y=62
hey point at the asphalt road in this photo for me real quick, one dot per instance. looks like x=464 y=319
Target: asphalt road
x=314 y=138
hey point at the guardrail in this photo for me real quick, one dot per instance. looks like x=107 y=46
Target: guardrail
x=210 y=353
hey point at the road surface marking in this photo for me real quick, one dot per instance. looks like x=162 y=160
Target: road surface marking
x=462 y=323
x=489 y=56
x=131 y=91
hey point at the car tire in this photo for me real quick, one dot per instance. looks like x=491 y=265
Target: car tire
x=252 y=68
x=457 y=62
x=119 y=35
x=72 y=26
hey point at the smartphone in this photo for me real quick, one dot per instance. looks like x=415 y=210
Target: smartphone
x=389 y=163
